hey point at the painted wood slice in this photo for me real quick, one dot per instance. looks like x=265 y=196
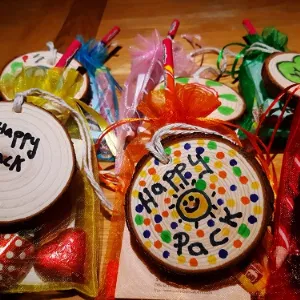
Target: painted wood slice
x=36 y=161
x=42 y=59
x=232 y=104
x=281 y=70
x=203 y=211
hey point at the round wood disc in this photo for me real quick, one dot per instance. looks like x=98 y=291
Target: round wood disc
x=36 y=161
x=232 y=104
x=281 y=70
x=42 y=59
x=203 y=211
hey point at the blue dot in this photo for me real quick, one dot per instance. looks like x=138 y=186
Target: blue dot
x=233 y=187
x=199 y=150
x=220 y=201
x=157 y=218
x=174 y=225
x=233 y=162
x=223 y=253
x=146 y=234
x=166 y=254
x=188 y=175
x=252 y=220
x=253 y=197
x=139 y=208
x=187 y=146
x=156 y=161
x=210 y=223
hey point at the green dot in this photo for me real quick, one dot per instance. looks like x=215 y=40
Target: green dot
x=139 y=219
x=212 y=83
x=166 y=236
x=237 y=171
x=243 y=230
x=200 y=185
x=168 y=151
x=206 y=159
x=229 y=97
x=212 y=145
x=225 y=110
x=183 y=80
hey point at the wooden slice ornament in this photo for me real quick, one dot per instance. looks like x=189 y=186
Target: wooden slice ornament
x=203 y=211
x=281 y=70
x=232 y=104
x=43 y=60
x=36 y=161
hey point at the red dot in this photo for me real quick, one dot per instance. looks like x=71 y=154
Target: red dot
x=167 y=200
x=243 y=179
x=221 y=190
x=223 y=174
x=142 y=183
x=165 y=214
x=157 y=244
x=151 y=171
x=177 y=153
x=147 y=222
x=237 y=244
x=158 y=228
x=212 y=186
x=193 y=262
x=200 y=233
x=245 y=200
x=220 y=155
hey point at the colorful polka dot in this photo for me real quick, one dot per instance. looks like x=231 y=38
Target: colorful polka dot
x=245 y=200
x=225 y=231
x=174 y=225
x=166 y=254
x=177 y=180
x=201 y=142
x=233 y=187
x=200 y=185
x=139 y=208
x=168 y=150
x=237 y=244
x=181 y=259
x=177 y=153
x=167 y=200
x=156 y=178
x=176 y=160
x=257 y=210
x=174 y=214
x=198 y=168
x=146 y=234
x=223 y=174
x=232 y=153
x=157 y=244
x=230 y=203
x=193 y=262
x=243 y=230
x=142 y=183
x=166 y=236
x=233 y=162
x=157 y=218
x=152 y=171
x=199 y=150
x=220 y=155
x=255 y=185
x=176 y=145
x=237 y=171
x=223 y=253
x=135 y=193
x=220 y=201
x=206 y=159
x=254 y=198
x=147 y=222
x=139 y=219
x=154 y=211
x=213 y=178
x=212 y=145
x=187 y=227
x=156 y=162
x=171 y=192
x=148 y=244
x=212 y=186
x=143 y=173
x=210 y=223
x=187 y=146
x=188 y=175
x=158 y=228
x=243 y=179
x=211 y=259
x=218 y=164
x=200 y=233
x=252 y=219
x=165 y=213
x=221 y=190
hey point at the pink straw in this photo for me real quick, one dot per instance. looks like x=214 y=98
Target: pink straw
x=68 y=55
x=173 y=29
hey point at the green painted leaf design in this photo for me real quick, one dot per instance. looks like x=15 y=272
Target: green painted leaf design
x=290 y=69
x=210 y=83
x=229 y=97
x=183 y=80
x=15 y=66
x=225 y=110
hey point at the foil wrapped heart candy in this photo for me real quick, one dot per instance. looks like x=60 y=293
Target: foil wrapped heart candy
x=62 y=259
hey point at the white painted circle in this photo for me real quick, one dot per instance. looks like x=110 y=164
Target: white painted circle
x=42 y=177
x=9 y=254
x=42 y=59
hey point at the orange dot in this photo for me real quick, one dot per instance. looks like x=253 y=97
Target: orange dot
x=212 y=186
x=237 y=244
x=245 y=200
x=193 y=262
x=165 y=214
x=221 y=190
x=177 y=153
x=152 y=171
x=220 y=155
x=243 y=179
x=147 y=222
x=142 y=183
x=158 y=228
x=200 y=233
x=167 y=200
x=157 y=244
x=223 y=174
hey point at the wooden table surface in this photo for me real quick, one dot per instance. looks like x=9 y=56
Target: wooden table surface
x=26 y=26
